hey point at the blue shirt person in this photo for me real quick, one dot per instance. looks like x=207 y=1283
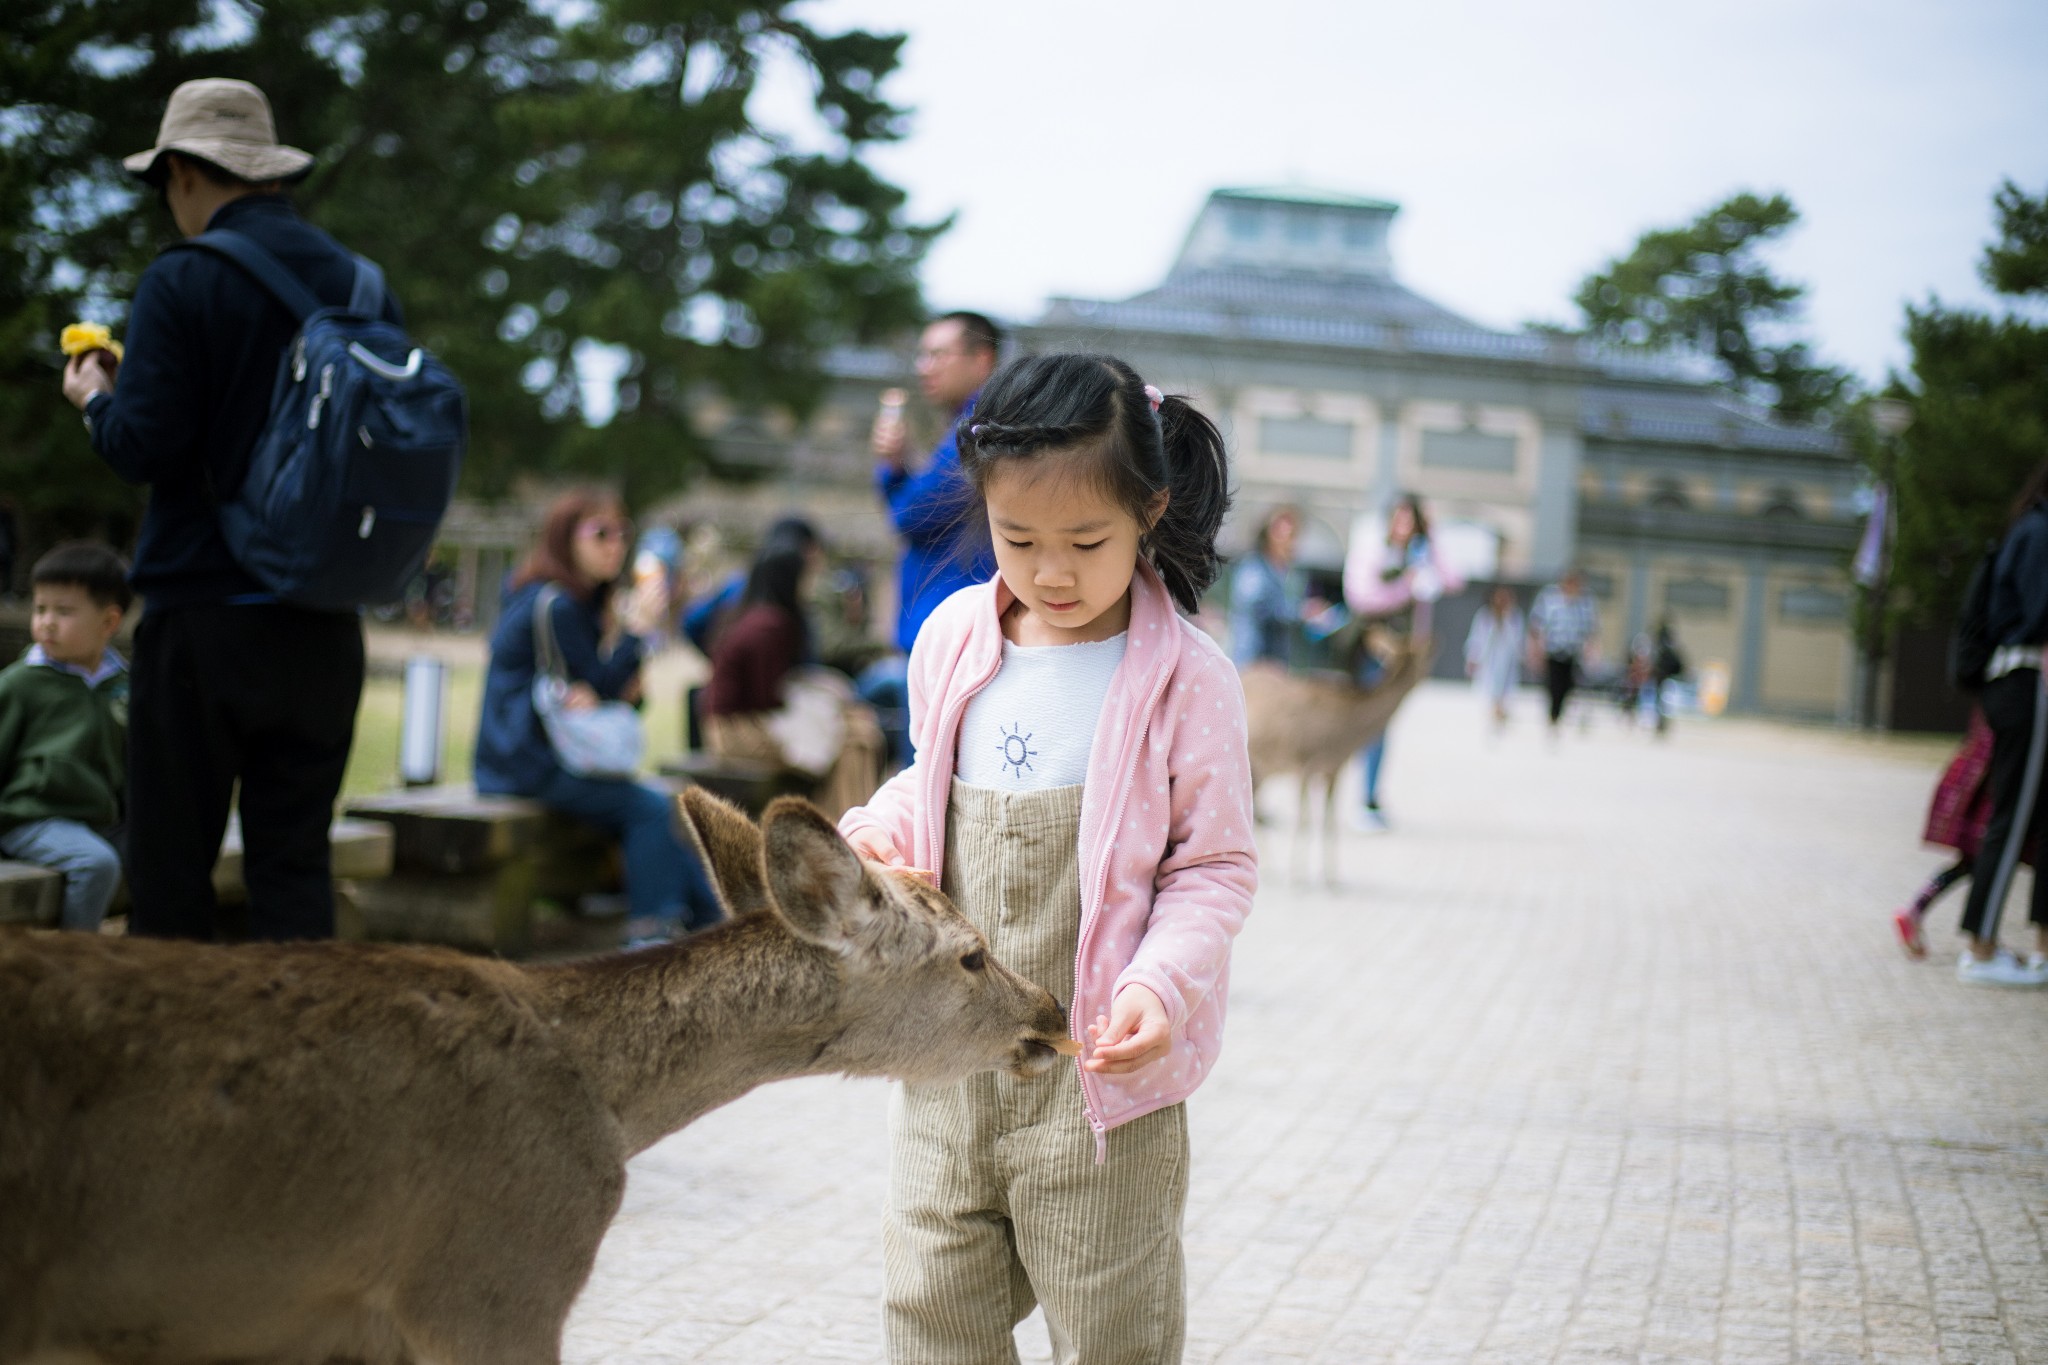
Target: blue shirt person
x=1266 y=600
x=955 y=356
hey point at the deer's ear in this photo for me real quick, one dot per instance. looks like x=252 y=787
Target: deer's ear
x=731 y=847
x=814 y=877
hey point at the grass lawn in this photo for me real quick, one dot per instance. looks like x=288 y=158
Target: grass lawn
x=373 y=762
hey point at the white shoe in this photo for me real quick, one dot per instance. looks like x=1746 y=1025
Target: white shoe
x=2000 y=969
x=1368 y=820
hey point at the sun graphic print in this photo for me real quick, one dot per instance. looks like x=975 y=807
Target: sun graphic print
x=1016 y=749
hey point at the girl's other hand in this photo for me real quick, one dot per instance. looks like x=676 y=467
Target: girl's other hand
x=580 y=697
x=1134 y=1034
x=875 y=847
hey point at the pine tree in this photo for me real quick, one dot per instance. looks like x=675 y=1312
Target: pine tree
x=535 y=176
x=1702 y=288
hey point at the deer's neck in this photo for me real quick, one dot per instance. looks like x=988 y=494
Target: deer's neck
x=669 y=1034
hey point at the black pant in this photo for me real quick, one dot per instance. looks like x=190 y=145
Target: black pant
x=1560 y=673
x=265 y=695
x=2014 y=706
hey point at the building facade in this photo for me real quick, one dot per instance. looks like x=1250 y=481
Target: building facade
x=1340 y=388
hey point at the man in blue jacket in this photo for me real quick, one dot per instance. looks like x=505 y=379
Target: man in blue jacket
x=228 y=684
x=955 y=357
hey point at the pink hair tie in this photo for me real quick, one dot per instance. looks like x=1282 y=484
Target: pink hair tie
x=1154 y=397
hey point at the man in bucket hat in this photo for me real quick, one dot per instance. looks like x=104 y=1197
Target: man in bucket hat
x=228 y=685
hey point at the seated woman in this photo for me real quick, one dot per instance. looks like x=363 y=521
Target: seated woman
x=582 y=555
x=761 y=705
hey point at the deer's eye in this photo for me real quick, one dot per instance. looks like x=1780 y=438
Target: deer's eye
x=975 y=960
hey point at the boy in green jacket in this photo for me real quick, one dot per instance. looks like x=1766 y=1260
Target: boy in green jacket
x=64 y=730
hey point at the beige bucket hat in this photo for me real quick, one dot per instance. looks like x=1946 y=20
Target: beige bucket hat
x=227 y=123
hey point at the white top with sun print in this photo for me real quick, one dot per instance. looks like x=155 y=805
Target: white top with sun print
x=1032 y=726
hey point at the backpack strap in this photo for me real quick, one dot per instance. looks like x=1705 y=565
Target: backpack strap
x=287 y=288
x=366 y=297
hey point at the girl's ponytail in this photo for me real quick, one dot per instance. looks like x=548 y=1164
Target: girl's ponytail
x=1182 y=544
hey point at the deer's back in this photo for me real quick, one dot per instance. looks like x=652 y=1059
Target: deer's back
x=315 y=1122
x=1298 y=721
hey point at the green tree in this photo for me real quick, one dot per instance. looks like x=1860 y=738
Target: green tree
x=1979 y=389
x=536 y=177
x=1703 y=288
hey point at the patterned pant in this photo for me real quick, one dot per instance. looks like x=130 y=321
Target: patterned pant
x=995 y=1200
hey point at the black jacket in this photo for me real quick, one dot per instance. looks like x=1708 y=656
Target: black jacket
x=2019 y=582
x=203 y=345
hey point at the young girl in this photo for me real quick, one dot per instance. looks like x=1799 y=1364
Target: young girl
x=1083 y=793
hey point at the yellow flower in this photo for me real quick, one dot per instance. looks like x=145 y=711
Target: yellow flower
x=81 y=337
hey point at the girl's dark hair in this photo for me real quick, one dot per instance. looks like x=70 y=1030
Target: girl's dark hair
x=553 y=560
x=1095 y=407
x=777 y=579
x=1420 y=519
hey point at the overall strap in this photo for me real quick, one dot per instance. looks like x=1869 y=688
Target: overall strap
x=287 y=288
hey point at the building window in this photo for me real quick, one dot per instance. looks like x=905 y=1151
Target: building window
x=1784 y=505
x=1811 y=605
x=1305 y=436
x=1477 y=451
x=1599 y=586
x=1304 y=229
x=1669 y=495
x=1243 y=222
x=1698 y=596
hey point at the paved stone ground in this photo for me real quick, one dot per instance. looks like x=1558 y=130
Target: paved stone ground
x=1607 y=1054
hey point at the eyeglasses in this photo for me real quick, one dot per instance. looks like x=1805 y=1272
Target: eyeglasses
x=602 y=530
x=934 y=355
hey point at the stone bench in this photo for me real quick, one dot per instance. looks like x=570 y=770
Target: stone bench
x=35 y=895
x=747 y=783
x=474 y=871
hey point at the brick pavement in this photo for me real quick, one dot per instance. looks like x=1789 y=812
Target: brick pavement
x=1606 y=1054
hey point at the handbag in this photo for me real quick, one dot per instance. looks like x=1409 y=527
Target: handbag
x=811 y=725
x=605 y=740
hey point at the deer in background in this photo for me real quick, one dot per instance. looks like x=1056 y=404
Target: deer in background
x=1311 y=724
x=337 y=1151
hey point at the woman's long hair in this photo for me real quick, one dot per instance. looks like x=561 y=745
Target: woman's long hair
x=553 y=559
x=777 y=580
x=2034 y=490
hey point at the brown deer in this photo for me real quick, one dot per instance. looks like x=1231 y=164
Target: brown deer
x=327 y=1152
x=1311 y=723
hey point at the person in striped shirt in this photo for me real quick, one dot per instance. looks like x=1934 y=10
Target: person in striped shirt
x=1563 y=626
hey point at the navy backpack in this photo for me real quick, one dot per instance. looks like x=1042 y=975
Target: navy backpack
x=353 y=472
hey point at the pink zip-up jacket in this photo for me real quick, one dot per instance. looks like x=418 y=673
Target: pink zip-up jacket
x=1168 y=865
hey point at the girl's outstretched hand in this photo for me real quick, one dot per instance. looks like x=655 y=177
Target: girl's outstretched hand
x=875 y=847
x=1135 y=1033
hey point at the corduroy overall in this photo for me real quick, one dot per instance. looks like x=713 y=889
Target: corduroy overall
x=996 y=1202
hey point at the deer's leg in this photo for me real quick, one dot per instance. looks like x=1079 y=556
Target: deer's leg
x=1330 y=828
x=1297 y=864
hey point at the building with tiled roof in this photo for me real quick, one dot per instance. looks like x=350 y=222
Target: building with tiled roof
x=1340 y=388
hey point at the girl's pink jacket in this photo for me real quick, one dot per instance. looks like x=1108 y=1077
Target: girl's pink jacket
x=1168 y=865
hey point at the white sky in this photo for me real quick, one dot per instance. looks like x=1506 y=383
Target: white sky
x=1526 y=142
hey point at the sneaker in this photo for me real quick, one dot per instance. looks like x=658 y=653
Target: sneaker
x=2000 y=969
x=1908 y=926
x=1369 y=820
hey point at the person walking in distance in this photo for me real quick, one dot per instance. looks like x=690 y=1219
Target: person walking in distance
x=229 y=686
x=1493 y=651
x=1074 y=667
x=1563 y=624
x=2015 y=702
x=928 y=507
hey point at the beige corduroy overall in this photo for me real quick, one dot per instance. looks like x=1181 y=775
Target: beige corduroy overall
x=995 y=1198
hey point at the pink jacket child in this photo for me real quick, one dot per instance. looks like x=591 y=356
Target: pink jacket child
x=1168 y=866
